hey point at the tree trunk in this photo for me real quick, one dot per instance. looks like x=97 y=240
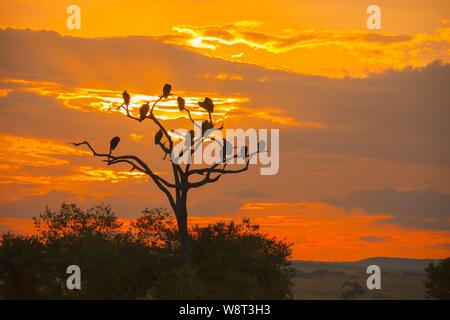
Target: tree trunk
x=185 y=239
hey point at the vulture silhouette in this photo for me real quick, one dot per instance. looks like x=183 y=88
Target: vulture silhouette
x=181 y=103
x=166 y=90
x=143 y=110
x=207 y=104
x=126 y=98
x=113 y=144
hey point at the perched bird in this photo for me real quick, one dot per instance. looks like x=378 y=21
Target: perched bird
x=181 y=103
x=207 y=104
x=112 y=145
x=158 y=136
x=166 y=90
x=143 y=110
x=126 y=98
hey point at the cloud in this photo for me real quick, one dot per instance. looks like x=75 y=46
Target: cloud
x=374 y=239
x=440 y=246
x=428 y=209
x=395 y=116
x=33 y=152
x=123 y=206
x=337 y=135
x=212 y=36
x=367 y=51
x=214 y=206
x=34 y=204
x=321 y=231
x=246 y=193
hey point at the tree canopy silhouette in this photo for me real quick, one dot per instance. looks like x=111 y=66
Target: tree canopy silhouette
x=229 y=260
x=185 y=177
x=437 y=283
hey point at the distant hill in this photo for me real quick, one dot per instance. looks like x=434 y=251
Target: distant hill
x=386 y=264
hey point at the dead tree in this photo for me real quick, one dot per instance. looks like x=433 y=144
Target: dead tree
x=185 y=177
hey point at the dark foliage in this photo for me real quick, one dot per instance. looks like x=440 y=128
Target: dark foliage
x=437 y=283
x=229 y=260
x=352 y=290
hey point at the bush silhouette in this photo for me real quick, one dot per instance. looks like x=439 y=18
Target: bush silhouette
x=232 y=261
x=437 y=283
x=352 y=290
x=229 y=260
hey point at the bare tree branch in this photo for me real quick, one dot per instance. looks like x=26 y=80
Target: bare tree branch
x=136 y=163
x=214 y=170
x=151 y=116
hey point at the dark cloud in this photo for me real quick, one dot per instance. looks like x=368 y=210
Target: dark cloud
x=214 y=206
x=440 y=246
x=35 y=204
x=397 y=116
x=374 y=239
x=415 y=208
x=385 y=38
x=246 y=193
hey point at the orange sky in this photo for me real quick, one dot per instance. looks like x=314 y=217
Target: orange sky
x=345 y=136
x=322 y=233
x=313 y=37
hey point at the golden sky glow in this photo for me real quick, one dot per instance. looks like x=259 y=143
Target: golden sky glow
x=326 y=52
x=312 y=37
x=364 y=158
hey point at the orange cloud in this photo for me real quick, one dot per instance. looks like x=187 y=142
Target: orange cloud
x=136 y=137
x=327 y=52
x=17 y=225
x=44 y=164
x=223 y=76
x=33 y=152
x=91 y=100
x=85 y=99
x=322 y=232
